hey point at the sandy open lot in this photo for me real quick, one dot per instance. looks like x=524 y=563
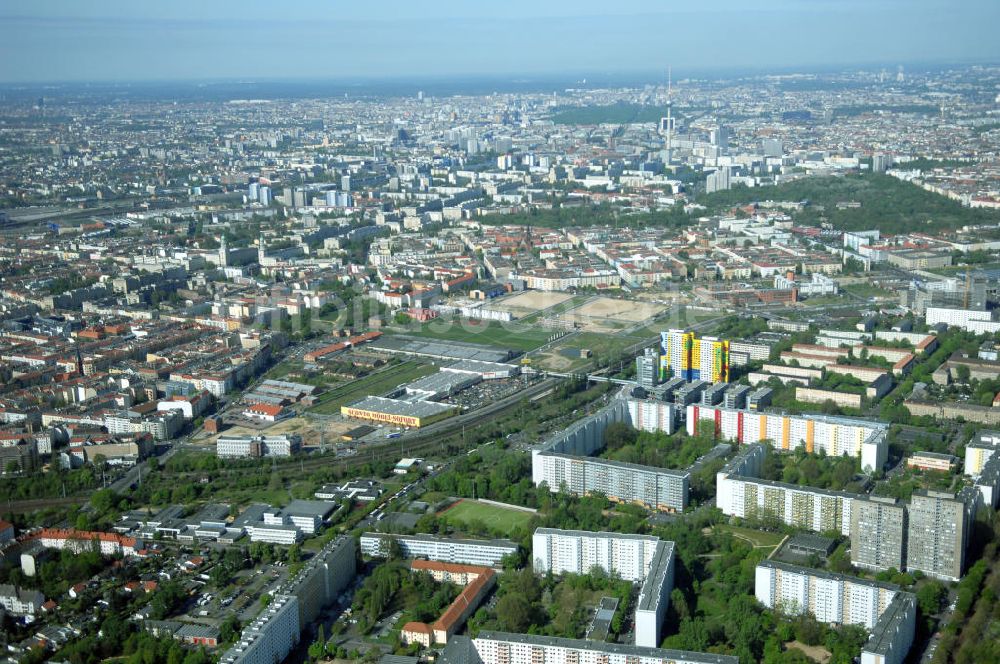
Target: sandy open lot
x=815 y=653
x=619 y=310
x=308 y=428
x=531 y=301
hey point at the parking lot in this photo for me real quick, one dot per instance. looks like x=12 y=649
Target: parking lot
x=488 y=391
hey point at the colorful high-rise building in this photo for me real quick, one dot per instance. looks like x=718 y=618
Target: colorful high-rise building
x=710 y=360
x=685 y=356
x=675 y=359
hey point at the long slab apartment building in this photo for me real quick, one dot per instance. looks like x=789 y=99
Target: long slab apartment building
x=295 y=605
x=929 y=534
x=888 y=613
x=641 y=559
x=563 y=460
x=506 y=648
x=836 y=436
x=486 y=553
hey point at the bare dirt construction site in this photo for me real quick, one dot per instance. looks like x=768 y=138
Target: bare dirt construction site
x=609 y=315
x=309 y=428
x=530 y=302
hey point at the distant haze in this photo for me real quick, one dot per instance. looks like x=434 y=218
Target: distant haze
x=136 y=40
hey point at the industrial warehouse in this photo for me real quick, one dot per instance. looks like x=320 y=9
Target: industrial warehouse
x=401 y=413
x=420 y=402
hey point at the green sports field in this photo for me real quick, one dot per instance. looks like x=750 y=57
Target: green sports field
x=496 y=518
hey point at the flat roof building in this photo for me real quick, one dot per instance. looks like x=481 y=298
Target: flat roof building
x=256 y=447
x=892 y=635
x=401 y=413
x=489 y=553
x=506 y=648
x=878 y=533
x=642 y=559
x=937 y=535
x=887 y=612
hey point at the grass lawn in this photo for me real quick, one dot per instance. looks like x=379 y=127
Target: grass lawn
x=868 y=290
x=758 y=538
x=489 y=333
x=372 y=384
x=824 y=300
x=602 y=345
x=955 y=269
x=496 y=518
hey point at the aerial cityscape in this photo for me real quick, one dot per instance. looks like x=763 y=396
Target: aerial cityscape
x=565 y=353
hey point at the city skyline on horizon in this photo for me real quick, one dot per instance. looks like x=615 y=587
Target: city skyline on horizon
x=224 y=41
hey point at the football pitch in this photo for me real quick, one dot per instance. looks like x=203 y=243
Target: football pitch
x=493 y=517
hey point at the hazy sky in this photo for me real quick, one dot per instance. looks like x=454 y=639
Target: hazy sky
x=107 y=40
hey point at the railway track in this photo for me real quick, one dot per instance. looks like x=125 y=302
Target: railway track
x=420 y=444
x=35 y=504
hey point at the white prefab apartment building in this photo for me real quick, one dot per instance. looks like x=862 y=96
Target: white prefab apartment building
x=654 y=488
x=830 y=598
x=979 y=450
x=270 y=637
x=579 y=551
x=641 y=559
x=255 y=447
x=888 y=613
x=504 y=648
x=486 y=553
x=802 y=506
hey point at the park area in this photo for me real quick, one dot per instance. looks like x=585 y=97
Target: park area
x=497 y=518
x=758 y=539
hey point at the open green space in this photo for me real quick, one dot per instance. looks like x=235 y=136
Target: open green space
x=891 y=205
x=868 y=290
x=757 y=538
x=373 y=384
x=553 y=606
x=606 y=349
x=956 y=269
x=489 y=333
x=601 y=343
x=492 y=516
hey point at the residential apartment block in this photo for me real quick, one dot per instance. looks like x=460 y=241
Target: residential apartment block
x=929 y=534
x=686 y=356
x=878 y=533
x=489 y=553
x=830 y=598
x=297 y=603
x=641 y=559
x=506 y=648
x=578 y=551
x=654 y=488
x=888 y=613
x=835 y=436
x=818 y=510
x=937 y=535
x=563 y=460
